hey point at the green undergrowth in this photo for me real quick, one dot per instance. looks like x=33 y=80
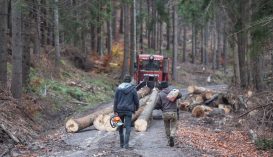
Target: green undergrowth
x=264 y=144
x=73 y=86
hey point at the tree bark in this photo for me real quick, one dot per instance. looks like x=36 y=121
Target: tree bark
x=193 y=42
x=16 y=84
x=26 y=29
x=141 y=26
x=168 y=31
x=174 y=62
x=37 y=36
x=218 y=29
x=133 y=38
x=184 y=42
x=206 y=44
x=125 y=66
x=56 y=38
x=141 y=124
x=121 y=21
x=110 y=33
x=3 y=42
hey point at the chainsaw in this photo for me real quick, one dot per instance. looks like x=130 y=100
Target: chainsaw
x=115 y=121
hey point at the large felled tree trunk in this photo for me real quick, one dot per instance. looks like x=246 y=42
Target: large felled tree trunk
x=3 y=43
x=75 y=125
x=16 y=84
x=141 y=124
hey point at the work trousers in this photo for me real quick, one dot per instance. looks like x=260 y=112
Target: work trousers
x=126 y=118
x=170 y=119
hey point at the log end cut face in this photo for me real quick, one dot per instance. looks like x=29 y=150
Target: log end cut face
x=141 y=125
x=71 y=126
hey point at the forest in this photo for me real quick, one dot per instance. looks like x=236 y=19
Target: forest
x=90 y=45
x=222 y=34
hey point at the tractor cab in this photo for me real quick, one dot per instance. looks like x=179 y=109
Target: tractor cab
x=151 y=70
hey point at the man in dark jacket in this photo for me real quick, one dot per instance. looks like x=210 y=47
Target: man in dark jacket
x=169 y=109
x=125 y=104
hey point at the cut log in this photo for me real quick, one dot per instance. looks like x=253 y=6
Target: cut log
x=201 y=111
x=75 y=125
x=184 y=105
x=197 y=90
x=199 y=98
x=143 y=92
x=142 y=104
x=141 y=123
x=102 y=123
x=226 y=108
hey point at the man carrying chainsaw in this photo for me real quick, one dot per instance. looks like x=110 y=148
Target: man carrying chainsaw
x=125 y=104
x=169 y=108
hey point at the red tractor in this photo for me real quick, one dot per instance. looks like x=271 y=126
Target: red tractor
x=151 y=70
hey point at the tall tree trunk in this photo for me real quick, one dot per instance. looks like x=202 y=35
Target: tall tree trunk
x=121 y=21
x=133 y=38
x=272 y=63
x=206 y=34
x=3 y=42
x=168 y=31
x=237 y=78
x=174 y=72
x=225 y=49
x=141 y=26
x=202 y=46
x=161 y=38
x=218 y=29
x=214 y=51
x=114 y=20
x=184 y=42
x=242 y=41
x=193 y=42
x=257 y=70
x=37 y=36
x=56 y=38
x=16 y=84
x=26 y=29
x=109 y=26
x=125 y=67
x=43 y=23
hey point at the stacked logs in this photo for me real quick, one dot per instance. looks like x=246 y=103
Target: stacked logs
x=205 y=102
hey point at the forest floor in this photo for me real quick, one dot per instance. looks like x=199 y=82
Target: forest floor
x=217 y=136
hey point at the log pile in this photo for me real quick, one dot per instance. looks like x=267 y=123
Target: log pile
x=206 y=102
x=100 y=119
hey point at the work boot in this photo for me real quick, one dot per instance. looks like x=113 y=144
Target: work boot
x=121 y=137
x=171 y=141
x=126 y=145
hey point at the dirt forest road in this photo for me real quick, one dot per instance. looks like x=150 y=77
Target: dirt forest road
x=93 y=143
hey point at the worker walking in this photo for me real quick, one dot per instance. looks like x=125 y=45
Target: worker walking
x=125 y=104
x=169 y=109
